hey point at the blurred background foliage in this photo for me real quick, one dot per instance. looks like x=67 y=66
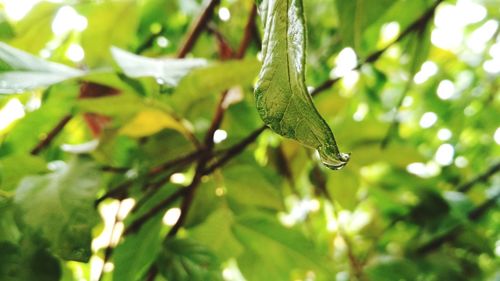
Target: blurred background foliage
x=409 y=87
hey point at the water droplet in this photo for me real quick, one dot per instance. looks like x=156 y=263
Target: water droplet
x=160 y=81
x=333 y=159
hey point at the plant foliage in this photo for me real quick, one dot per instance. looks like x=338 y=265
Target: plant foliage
x=169 y=140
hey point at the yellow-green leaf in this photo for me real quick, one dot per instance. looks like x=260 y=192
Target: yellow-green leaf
x=149 y=122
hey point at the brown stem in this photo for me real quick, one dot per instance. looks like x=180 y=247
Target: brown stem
x=111 y=169
x=47 y=140
x=137 y=224
x=225 y=50
x=416 y=25
x=248 y=33
x=148 y=43
x=120 y=189
x=197 y=28
x=451 y=234
x=235 y=150
x=204 y=158
x=151 y=275
x=480 y=178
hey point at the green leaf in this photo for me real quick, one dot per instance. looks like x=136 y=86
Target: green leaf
x=276 y=248
x=34 y=30
x=357 y=15
x=392 y=269
x=205 y=202
x=343 y=187
x=166 y=71
x=281 y=95
x=8 y=228
x=214 y=79
x=260 y=188
x=186 y=260
x=129 y=105
x=11 y=172
x=59 y=207
x=28 y=72
x=216 y=234
x=6 y=30
x=106 y=22
x=28 y=131
x=27 y=262
x=133 y=257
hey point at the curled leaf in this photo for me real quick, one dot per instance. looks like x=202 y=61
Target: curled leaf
x=281 y=95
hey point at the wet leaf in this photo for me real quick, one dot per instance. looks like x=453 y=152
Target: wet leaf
x=28 y=72
x=165 y=70
x=281 y=95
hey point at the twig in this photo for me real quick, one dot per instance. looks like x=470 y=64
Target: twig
x=235 y=150
x=480 y=178
x=183 y=160
x=422 y=20
x=204 y=158
x=473 y=215
x=325 y=85
x=152 y=188
x=149 y=41
x=197 y=28
x=151 y=275
x=248 y=33
x=225 y=50
x=204 y=155
x=112 y=169
x=419 y=26
x=137 y=224
x=46 y=141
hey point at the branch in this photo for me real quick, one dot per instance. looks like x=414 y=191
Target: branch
x=46 y=141
x=149 y=41
x=137 y=224
x=235 y=150
x=480 y=178
x=208 y=149
x=373 y=57
x=197 y=28
x=112 y=169
x=419 y=27
x=248 y=33
x=204 y=158
x=473 y=215
x=183 y=160
x=225 y=50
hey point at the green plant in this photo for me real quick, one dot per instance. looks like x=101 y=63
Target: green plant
x=135 y=149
